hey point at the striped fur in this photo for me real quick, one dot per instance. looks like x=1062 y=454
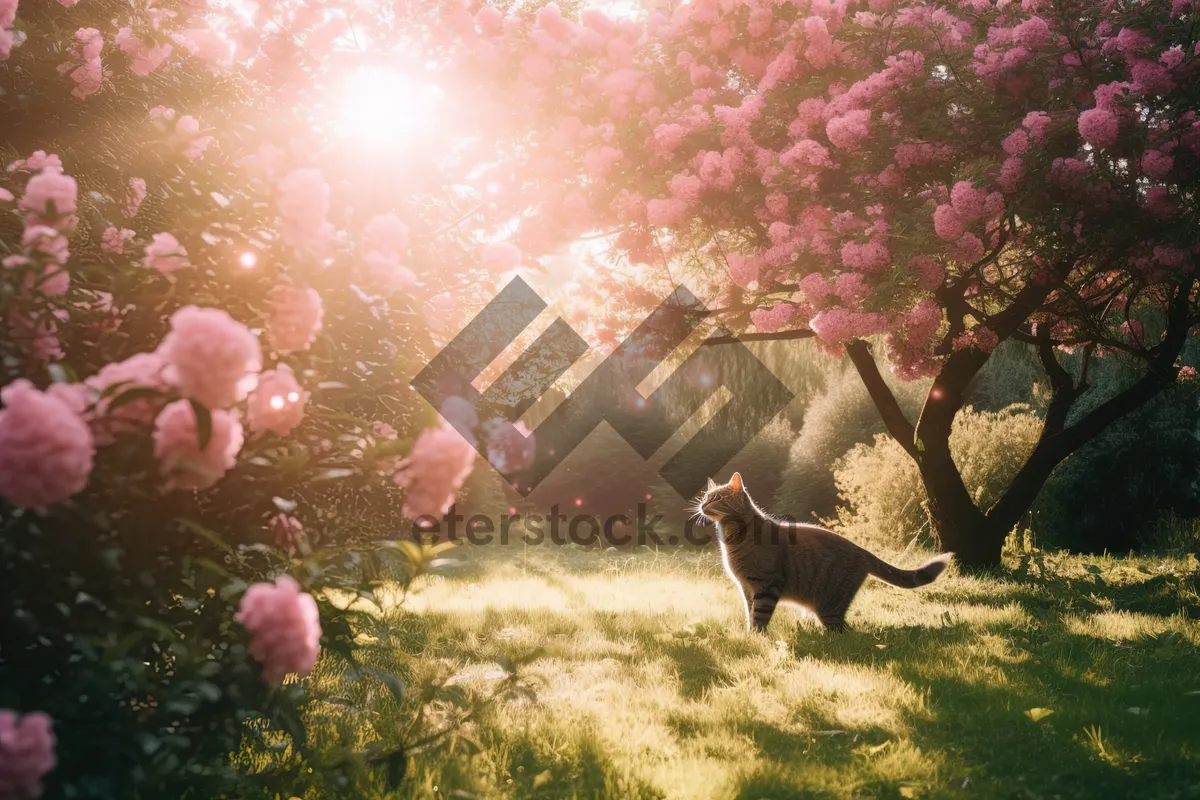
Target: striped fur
x=772 y=562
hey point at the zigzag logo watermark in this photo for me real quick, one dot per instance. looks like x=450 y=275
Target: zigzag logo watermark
x=610 y=393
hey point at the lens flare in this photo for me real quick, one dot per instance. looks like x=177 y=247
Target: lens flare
x=381 y=105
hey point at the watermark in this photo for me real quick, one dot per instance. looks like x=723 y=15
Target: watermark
x=642 y=529
x=609 y=394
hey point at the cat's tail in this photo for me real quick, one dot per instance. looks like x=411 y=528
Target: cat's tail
x=909 y=578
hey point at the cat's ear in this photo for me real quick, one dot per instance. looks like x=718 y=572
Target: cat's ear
x=736 y=481
x=712 y=484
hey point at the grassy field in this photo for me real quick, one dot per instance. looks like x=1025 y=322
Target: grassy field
x=1072 y=677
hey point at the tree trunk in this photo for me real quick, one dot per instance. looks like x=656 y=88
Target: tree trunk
x=954 y=518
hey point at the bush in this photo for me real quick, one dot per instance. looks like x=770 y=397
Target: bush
x=762 y=462
x=157 y=482
x=835 y=421
x=1109 y=493
x=881 y=494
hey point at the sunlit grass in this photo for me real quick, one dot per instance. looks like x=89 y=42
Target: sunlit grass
x=647 y=684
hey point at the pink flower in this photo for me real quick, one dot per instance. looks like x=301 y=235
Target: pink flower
x=166 y=254
x=50 y=199
x=1033 y=32
x=177 y=446
x=134 y=197
x=1011 y=172
x=143 y=58
x=141 y=371
x=26 y=745
x=210 y=356
x=867 y=257
x=303 y=204
x=277 y=403
x=37 y=333
x=510 y=448
x=1099 y=127
x=8 y=13
x=113 y=240
x=289 y=533
x=439 y=462
x=500 y=256
x=37 y=162
x=979 y=338
x=848 y=131
x=46 y=450
x=1037 y=122
x=1015 y=143
x=295 y=318
x=968 y=201
x=1157 y=164
x=947 y=223
x=385 y=233
x=1187 y=373
x=284 y=626
x=773 y=318
x=49 y=248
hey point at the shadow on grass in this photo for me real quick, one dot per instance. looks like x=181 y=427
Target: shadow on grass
x=1125 y=704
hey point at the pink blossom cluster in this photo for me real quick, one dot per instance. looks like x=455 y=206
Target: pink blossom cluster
x=210 y=357
x=277 y=403
x=144 y=57
x=46 y=449
x=165 y=254
x=434 y=471
x=295 y=318
x=771 y=319
x=86 y=70
x=284 y=626
x=8 y=16
x=27 y=747
x=181 y=459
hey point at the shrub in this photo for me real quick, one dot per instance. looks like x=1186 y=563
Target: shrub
x=882 y=500
x=208 y=317
x=835 y=421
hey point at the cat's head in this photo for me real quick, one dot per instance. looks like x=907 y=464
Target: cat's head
x=725 y=500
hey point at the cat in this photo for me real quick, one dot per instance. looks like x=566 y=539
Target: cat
x=771 y=561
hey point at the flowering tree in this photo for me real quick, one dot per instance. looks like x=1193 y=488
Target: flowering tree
x=207 y=296
x=942 y=176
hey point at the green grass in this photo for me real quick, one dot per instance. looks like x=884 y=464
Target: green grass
x=646 y=683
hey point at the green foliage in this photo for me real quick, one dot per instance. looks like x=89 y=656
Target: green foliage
x=836 y=420
x=882 y=498
x=1111 y=494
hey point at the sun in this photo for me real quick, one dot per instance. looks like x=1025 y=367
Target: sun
x=382 y=105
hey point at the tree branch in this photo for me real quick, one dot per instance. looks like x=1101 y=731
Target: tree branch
x=885 y=402
x=773 y=336
x=1058 y=441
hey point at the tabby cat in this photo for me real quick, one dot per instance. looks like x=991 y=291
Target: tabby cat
x=771 y=561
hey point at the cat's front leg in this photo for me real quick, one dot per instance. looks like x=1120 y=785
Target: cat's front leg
x=762 y=606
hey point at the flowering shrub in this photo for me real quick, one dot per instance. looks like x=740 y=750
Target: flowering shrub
x=209 y=315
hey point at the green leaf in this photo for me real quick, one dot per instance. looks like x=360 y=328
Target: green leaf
x=203 y=423
x=1038 y=714
x=204 y=533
